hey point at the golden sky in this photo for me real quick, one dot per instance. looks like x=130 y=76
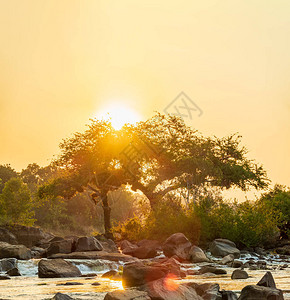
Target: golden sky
x=61 y=62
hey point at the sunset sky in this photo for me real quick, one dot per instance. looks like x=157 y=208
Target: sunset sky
x=64 y=62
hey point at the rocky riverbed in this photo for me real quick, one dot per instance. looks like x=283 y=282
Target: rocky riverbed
x=173 y=270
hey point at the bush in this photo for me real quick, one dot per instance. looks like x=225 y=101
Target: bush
x=16 y=206
x=247 y=224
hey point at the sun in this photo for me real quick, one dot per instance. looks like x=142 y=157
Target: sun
x=118 y=114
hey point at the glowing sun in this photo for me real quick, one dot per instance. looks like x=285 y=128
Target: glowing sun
x=118 y=114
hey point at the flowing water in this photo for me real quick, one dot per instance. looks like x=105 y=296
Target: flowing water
x=29 y=286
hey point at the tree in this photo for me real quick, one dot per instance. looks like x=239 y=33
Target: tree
x=88 y=163
x=172 y=156
x=16 y=205
x=6 y=173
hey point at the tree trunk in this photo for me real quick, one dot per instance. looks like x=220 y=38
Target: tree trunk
x=107 y=217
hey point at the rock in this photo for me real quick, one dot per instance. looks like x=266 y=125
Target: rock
x=177 y=244
x=7 y=236
x=223 y=247
x=144 y=252
x=285 y=250
x=228 y=295
x=267 y=280
x=60 y=296
x=210 y=269
x=127 y=295
x=38 y=252
x=14 y=251
x=96 y=255
x=171 y=265
x=227 y=259
x=13 y=272
x=239 y=274
x=109 y=246
x=196 y=255
x=257 y=292
x=96 y=283
x=70 y=283
x=28 y=236
x=237 y=264
x=208 y=291
x=4 y=277
x=63 y=246
x=150 y=244
x=88 y=244
x=168 y=289
x=137 y=274
x=7 y=264
x=110 y=274
x=126 y=244
x=57 y=268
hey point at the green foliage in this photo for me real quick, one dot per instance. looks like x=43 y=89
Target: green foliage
x=248 y=224
x=167 y=218
x=16 y=205
x=278 y=199
x=6 y=173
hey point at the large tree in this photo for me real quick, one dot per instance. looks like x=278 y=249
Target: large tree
x=170 y=155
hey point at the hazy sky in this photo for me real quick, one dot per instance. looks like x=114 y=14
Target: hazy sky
x=63 y=61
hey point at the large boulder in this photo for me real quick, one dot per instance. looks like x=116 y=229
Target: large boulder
x=14 y=251
x=168 y=289
x=88 y=244
x=62 y=246
x=239 y=274
x=28 y=236
x=7 y=264
x=137 y=274
x=109 y=246
x=57 y=268
x=267 y=280
x=208 y=291
x=7 y=236
x=144 y=252
x=13 y=272
x=223 y=247
x=257 y=292
x=60 y=296
x=172 y=266
x=127 y=295
x=177 y=244
x=196 y=255
x=211 y=269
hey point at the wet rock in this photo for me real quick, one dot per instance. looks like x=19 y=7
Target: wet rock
x=7 y=264
x=7 y=236
x=88 y=244
x=239 y=274
x=237 y=264
x=96 y=255
x=57 y=268
x=137 y=274
x=196 y=255
x=90 y=275
x=227 y=259
x=13 y=272
x=70 y=283
x=284 y=250
x=223 y=247
x=96 y=283
x=4 y=277
x=177 y=244
x=110 y=274
x=210 y=269
x=14 y=251
x=127 y=295
x=228 y=295
x=168 y=289
x=267 y=280
x=60 y=296
x=260 y=293
x=208 y=291
x=62 y=246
